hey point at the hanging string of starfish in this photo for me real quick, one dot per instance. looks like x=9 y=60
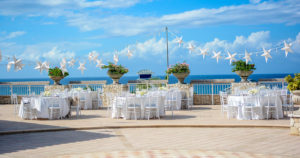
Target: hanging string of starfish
x=192 y=48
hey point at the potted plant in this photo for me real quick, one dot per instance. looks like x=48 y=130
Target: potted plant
x=294 y=86
x=56 y=75
x=115 y=72
x=180 y=71
x=243 y=69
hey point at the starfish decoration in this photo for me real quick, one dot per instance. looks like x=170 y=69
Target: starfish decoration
x=18 y=64
x=217 y=56
x=95 y=56
x=72 y=62
x=39 y=66
x=129 y=53
x=63 y=66
x=116 y=58
x=179 y=41
x=81 y=67
x=266 y=54
x=203 y=52
x=99 y=63
x=91 y=56
x=45 y=66
x=191 y=47
x=247 y=57
x=287 y=48
x=9 y=65
x=231 y=57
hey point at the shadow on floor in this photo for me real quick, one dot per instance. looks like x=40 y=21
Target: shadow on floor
x=18 y=142
x=177 y=117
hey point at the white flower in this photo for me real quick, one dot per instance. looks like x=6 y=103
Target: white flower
x=253 y=91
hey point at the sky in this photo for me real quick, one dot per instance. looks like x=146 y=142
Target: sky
x=39 y=30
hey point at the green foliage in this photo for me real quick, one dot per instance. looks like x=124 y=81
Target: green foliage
x=179 y=68
x=241 y=65
x=293 y=83
x=89 y=87
x=115 y=69
x=57 y=72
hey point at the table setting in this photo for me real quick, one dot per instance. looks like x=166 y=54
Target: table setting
x=256 y=103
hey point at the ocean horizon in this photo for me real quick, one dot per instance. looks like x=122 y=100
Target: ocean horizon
x=172 y=79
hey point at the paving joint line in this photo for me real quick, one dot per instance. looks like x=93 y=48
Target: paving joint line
x=139 y=126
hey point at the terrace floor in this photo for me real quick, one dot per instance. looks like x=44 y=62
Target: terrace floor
x=200 y=132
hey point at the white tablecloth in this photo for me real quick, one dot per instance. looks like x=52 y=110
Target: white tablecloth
x=263 y=101
x=139 y=99
x=41 y=105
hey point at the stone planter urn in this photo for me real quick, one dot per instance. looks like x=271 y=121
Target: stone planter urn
x=296 y=97
x=244 y=75
x=181 y=77
x=115 y=77
x=56 y=79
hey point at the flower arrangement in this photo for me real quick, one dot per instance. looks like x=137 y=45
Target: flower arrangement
x=293 y=83
x=179 y=68
x=253 y=91
x=47 y=93
x=241 y=65
x=115 y=69
x=57 y=72
x=78 y=89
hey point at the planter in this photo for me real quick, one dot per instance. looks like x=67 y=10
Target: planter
x=181 y=76
x=56 y=79
x=296 y=97
x=115 y=77
x=244 y=75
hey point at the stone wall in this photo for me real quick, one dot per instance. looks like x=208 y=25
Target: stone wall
x=7 y=100
x=295 y=123
x=206 y=99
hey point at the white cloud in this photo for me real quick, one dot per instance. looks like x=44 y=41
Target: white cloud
x=57 y=7
x=296 y=44
x=271 y=12
x=146 y=49
x=253 y=43
x=254 y=13
x=13 y=35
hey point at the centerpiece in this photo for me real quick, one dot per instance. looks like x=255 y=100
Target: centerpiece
x=115 y=72
x=180 y=71
x=56 y=75
x=243 y=69
x=294 y=86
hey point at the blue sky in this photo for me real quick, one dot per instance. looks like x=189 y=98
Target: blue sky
x=39 y=30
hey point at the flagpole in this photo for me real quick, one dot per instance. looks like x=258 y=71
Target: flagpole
x=167 y=52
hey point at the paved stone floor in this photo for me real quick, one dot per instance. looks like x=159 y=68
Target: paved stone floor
x=153 y=142
x=147 y=142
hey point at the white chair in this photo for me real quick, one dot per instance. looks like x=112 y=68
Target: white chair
x=171 y=101
x=14 y=101
x=232 y=109
x=189 y=98
x=28 y=111
x=152 y=106
x=77 y=107
x=133 y=106
x=272 y=107
x=251 y=108
x=224 y=101
x=55 y=109
x=287 y=103
x=82 y=100
x=99 y=100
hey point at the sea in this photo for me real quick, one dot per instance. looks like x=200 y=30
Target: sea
x=172 y=79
